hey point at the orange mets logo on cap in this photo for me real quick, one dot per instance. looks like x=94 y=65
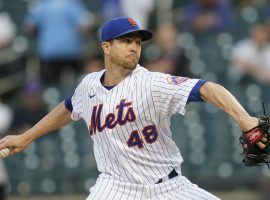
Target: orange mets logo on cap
x=132 y=22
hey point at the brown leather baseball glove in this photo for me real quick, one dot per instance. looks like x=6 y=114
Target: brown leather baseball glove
x=253 y=155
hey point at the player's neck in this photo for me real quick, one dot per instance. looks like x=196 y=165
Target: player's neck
x=113 y=76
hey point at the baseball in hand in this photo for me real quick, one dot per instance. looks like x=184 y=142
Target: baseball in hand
x=4 y=152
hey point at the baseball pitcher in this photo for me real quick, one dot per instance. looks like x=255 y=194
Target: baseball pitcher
x=127 y=110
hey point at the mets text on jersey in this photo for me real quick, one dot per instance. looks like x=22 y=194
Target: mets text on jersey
x=111 y=120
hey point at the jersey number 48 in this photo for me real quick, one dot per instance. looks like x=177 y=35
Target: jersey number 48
x=149 y=133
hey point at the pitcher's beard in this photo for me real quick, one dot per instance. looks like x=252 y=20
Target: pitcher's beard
x=129 y=64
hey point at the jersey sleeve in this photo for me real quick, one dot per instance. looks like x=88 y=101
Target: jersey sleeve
x=68 y=103
x=195 y=95
x=77 y=103
x=170 y=93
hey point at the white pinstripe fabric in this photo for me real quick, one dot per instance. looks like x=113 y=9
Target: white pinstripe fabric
x=152 y=97
x=178 y=188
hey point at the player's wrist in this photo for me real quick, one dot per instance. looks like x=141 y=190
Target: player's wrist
x=247 y=123
x=29 y=136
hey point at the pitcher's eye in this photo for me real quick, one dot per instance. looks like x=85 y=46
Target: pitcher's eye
x=138 y=42
x=126 y=40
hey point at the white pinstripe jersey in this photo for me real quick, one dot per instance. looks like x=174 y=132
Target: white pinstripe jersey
x=130 y=124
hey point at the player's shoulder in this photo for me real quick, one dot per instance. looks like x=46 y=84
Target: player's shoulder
x=159 y=78
x=144 y=73
x=156 y=76
x=92 y=77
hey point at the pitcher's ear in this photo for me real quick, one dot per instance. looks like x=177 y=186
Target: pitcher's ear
x=106 y=46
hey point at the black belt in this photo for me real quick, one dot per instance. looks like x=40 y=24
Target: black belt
x=171 y=175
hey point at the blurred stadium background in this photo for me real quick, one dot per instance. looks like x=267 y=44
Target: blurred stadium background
x=62 y=165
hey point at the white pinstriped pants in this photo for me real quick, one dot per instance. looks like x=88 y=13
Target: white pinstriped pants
x=176 y=188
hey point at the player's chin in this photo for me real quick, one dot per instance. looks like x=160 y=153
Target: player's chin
x=130 y=65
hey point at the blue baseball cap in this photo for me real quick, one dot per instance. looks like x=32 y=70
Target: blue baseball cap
x=120 y=26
